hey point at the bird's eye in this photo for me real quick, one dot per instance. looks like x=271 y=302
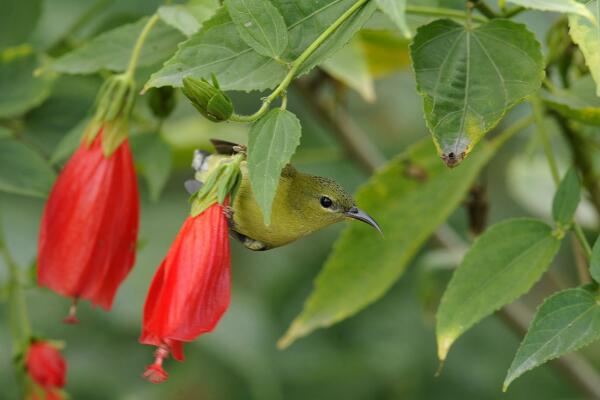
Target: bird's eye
x=326 y=202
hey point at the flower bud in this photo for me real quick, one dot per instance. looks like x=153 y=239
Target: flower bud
x=208 y=99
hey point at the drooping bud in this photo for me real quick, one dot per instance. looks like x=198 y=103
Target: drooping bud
x=208 y=99
x=113 y=107
x=162 y=101
x=47 y=370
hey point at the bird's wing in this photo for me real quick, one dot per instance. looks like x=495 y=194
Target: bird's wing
x=224 y=147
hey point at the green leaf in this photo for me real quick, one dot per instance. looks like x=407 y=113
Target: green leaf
x=21 y=91
x=502 y=265
x=218 y=49
x=386 y=51
x=260 y=26
x=69 y=142
x=153 y=158
x=17 y=20
x=559 y=6
x=349 y=66
x=410 y=197
x=567 y=198
x=579 y=103
x=595 y=261
x=587 y=36
x=470 y=78
x=23 y=171
x=565 y=322
x=188 y=18
x=111 y=50
x=272 y=141
x=396 y=10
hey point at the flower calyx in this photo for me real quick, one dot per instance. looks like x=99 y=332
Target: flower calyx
x=113 y=106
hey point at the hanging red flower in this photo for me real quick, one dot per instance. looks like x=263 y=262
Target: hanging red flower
x=89 y=228
x=47 y=369
x=190 y=291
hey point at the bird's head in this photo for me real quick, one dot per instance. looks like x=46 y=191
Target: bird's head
x=325 y=202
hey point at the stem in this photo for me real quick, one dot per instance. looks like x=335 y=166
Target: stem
x=483 y=8
x=441 y=12
x=298 y=62
x=19 y=322
x=538 y=111
x=513 y=11
x=137 y=49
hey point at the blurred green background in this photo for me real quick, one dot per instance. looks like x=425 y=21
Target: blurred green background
x=386 y=352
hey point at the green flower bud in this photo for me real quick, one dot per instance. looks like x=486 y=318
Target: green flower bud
x=208 y=99
x=162 y=101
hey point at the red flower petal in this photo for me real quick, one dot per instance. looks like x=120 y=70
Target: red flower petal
x=45 y=365
x=89 y=227
x=190 y=291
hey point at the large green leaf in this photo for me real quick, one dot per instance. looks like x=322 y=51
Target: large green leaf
x=559 y=6
x=396 y=10
x=349 y=66
x=502 y=265
x=410 y=197
x=271 y=143
x=21 y=91
x=218 y=49
x=567 y=321
x=587 y=36
x=260 y=26
x=567 y=198
x=153 y=158
x=23 y=171
x=18 y=18
x=188 y=18
x=579 y=103
x=470 y=77
x=111 y=50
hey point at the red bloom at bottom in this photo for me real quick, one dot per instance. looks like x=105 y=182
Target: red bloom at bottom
x=47 y=369
x=191 y=289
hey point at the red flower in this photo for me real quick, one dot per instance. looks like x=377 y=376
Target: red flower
x=190 y=291
x=89 y=227
x=47 y=368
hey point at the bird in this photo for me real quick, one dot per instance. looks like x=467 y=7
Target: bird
x=303 y=203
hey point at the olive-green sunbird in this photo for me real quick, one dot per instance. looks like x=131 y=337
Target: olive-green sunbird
x=303 y=203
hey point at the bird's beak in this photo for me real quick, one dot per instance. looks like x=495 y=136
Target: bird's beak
x=360 y=215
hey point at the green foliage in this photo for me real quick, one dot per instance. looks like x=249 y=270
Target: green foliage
x=153 y=158
x=272 y=141
x=21 y=91
x=350 y=66
x=410 y=198
x=188 y=18
x=502 y=265
x=111 y=50
x=559 y=6
x=595 y=261
x=579 y=103
x=470 y=77
x=586 y=35
x=218 y=48
x=567 y=198
x=17 y=20
x=396 y=10
x=260 y=26
x=566 y=321
x=23 y=171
